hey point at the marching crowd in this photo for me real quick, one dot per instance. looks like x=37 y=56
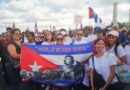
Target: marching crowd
x=111 y=49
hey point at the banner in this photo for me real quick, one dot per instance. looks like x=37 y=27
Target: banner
x=78 y=19
x=54 y=64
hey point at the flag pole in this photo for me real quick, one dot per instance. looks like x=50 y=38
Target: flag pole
x=76 y=26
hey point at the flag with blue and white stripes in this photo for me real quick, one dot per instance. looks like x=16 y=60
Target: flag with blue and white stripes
x=98 y=22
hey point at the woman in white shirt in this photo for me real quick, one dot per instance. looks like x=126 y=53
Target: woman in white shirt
x=104 y=64
x=115 y=48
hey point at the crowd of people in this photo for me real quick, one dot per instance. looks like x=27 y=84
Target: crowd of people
x=111 y=48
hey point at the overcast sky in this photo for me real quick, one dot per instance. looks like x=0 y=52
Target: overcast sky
x=59 y=13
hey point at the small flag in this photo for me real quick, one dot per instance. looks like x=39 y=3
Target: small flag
x=36 y=28
x=13 y=26
x=81 y=26
x=27 y=28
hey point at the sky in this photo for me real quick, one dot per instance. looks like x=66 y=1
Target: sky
x=59 y=13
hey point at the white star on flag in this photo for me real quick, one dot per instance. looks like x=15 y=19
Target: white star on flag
x=35 y=67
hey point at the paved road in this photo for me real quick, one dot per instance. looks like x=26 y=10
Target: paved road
x=2 y=82
x=3 y=86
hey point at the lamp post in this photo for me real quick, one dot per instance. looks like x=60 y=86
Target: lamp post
x=115 y=6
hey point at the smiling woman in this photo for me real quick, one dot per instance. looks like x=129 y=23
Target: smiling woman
x=13 y=67
x=103 y=64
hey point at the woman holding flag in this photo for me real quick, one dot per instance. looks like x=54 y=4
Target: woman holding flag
x=13 y=63
x=32 y=85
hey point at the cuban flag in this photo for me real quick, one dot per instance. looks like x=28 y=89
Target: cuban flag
x=54 y=64
x=98 y=22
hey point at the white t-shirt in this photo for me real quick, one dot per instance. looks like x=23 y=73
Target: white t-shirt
x=46 y=43
x=83 y=41
x=127 y=51
x=103 y=64
x=86 y=77
x=92 y=37
x=87 y=39
x=68 y=41
x=25 y=40
x=120 y=51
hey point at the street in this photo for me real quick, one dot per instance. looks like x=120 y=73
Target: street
x=2 y=82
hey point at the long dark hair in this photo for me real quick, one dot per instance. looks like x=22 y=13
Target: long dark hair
x=52 y=39
x=116 y=46
x=14 y=30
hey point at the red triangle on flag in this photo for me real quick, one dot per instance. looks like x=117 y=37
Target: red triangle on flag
x=30 y=58
x=91 y=12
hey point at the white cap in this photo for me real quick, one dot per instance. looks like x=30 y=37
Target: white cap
x=113 y=33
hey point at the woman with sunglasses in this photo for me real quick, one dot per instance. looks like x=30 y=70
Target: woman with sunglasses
x=59 y=39
x=80 y=38
x=85 y=84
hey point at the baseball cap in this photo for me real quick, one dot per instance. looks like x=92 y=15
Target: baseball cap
x=113 y=33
